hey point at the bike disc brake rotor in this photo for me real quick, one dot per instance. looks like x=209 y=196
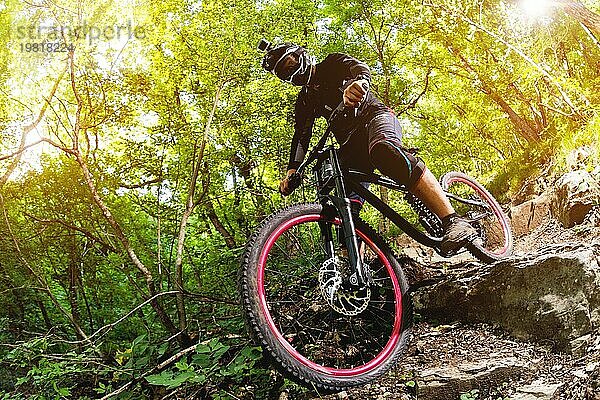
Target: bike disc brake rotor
x=344 y=301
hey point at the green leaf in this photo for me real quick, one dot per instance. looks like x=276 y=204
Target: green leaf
x=202 y=360
x=163 y=379
x=202 y=348
x=168 y=379
x=22 y=380
x=252 y=353
x=183 y=366
x=162 y=349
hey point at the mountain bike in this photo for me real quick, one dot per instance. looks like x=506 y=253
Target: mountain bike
x=323 y=293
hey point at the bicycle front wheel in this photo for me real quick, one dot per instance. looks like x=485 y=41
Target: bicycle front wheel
x=473 y=202
x=318 y=330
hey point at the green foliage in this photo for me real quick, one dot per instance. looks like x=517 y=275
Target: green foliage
x=47 y=376
x=182 y=132
x=471 y=395
x=206 y=365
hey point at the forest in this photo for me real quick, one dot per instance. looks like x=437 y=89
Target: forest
x=141 y=143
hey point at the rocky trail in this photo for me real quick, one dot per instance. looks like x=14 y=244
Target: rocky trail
x=523 y=329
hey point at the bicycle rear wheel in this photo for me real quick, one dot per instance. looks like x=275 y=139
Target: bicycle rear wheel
x=317 y=331
x=487 y=217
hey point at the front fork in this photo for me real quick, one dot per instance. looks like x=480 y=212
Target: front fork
x=339 y=205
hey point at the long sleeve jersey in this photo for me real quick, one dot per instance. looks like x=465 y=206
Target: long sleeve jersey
x=323 y=95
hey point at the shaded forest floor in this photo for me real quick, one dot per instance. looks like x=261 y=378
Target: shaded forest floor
x=483 y=362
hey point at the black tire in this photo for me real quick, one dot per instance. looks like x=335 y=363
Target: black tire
x=287 y=312
x=494 y=229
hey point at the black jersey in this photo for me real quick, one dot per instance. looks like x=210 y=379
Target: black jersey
x=323 y=95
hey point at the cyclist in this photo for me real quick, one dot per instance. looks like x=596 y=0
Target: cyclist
x=369 y=139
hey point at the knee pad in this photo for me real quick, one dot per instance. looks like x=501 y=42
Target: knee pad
x=397 y=163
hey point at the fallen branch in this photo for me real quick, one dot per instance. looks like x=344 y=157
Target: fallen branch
x=154 y=370
x=107 y=328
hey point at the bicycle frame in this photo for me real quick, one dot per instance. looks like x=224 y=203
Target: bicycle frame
x=329 y=176
x=332 y=194
x=336 y=204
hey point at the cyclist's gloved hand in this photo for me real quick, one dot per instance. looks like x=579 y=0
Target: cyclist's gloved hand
x=355 y=92
x=289 y=183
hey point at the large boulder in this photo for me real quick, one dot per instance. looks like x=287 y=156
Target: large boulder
x=551 y=296
x=574 y=195
x=529 y=215
x=449 y=381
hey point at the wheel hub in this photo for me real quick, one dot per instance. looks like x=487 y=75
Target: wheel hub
x=346 y=301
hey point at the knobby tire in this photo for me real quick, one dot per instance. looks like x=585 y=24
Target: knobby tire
x=309 y=341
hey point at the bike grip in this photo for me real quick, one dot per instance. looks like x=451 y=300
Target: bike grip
x=294 y=180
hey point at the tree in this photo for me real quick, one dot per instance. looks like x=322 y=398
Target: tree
x=582 y=14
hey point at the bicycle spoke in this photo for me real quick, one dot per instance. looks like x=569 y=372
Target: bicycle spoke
x=344 y=331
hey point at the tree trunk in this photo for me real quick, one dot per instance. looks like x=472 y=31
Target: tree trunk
x=575 y=112
x=214 y=218
x=585 y=16
x=39 y=278
x=15 y=309
x=45 y=316
x=523 y=126
x=192 y=201
x=75 y=151
x=162 y=315
x=73 y=272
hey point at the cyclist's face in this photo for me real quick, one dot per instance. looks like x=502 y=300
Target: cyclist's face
x=289 y=65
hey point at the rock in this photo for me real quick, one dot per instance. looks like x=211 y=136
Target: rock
x=577 y=158
x=448 y=381
x=536 y=391
x=574 y=196
x=527 y=216
x=551 y=296
x=592 y=218
x=579 y=346
x=579 y=374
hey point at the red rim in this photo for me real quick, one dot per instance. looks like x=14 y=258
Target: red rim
x=495 y=208
x=396 y=331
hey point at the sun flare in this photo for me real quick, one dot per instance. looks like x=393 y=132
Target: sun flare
x=536 y=8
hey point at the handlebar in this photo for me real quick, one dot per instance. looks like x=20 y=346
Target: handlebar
x=341 y=109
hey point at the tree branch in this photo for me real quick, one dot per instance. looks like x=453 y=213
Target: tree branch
x=87 y=234
x=142 y=184
x=159 y=367
x=27 y=129
x=512 y=47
